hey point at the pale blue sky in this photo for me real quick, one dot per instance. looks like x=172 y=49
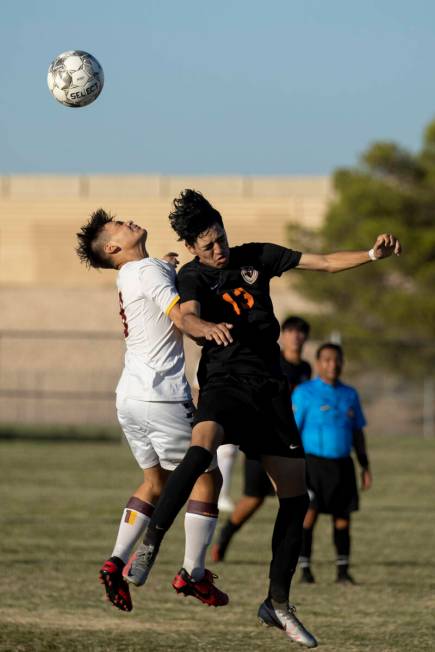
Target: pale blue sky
x=236 y=86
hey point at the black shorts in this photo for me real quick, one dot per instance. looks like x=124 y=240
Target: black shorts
x=255 y=413
x=257 y=482
x=333 y=485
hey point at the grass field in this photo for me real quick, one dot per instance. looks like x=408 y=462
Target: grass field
x=59 y=512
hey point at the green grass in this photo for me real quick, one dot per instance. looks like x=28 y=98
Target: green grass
x=44 y=432
x=60 y=508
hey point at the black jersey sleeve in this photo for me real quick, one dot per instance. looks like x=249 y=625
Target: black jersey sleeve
x=190 y=285
x=277 y=259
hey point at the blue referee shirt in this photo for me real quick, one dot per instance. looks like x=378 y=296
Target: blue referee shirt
x=326 y=416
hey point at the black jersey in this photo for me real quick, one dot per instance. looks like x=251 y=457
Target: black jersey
x=239 y=294
x=295 y=373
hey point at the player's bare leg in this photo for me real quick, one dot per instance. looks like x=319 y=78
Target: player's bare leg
x=134 y=521
x=288 y=478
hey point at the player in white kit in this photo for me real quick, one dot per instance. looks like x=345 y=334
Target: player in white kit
x=154 y=403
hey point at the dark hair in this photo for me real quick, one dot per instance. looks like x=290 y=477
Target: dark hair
x=294 y=323
x=329 y=345
x=192 y=216
x=89 y=248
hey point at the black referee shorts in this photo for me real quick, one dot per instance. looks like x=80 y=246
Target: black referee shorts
x=255 y=413
x=332 y=484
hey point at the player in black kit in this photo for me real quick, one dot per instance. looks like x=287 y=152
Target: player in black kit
x=244 y=398
x=257 y=486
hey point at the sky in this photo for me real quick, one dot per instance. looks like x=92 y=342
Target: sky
x=231 y=87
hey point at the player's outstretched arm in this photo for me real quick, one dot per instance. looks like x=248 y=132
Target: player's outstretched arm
x=386 y=244
x=187 y=318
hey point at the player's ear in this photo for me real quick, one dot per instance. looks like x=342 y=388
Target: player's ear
x=190 y=248
x=111 y=248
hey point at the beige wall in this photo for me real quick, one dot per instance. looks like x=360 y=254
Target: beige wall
x=44 y=288
x=40 y=215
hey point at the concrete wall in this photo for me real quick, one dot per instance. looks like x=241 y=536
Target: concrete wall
x=45 y=290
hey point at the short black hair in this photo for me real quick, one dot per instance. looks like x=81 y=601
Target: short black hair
x=193 y=215
x=295 y=323
x=329 y=345
x=89 y=248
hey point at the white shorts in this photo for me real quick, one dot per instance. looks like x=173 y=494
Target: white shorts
x=157 y=432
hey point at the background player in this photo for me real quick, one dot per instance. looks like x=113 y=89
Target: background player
x=331 y=421
x=243 y=396
x=294 y=333
x=154 y=404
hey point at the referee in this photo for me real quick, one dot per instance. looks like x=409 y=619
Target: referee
x=331 y=421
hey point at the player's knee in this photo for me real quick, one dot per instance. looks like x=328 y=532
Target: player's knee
x=207 y=434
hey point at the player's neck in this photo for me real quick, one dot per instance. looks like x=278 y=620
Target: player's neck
x=138 y=253
x=329 y=381
x=292 y=356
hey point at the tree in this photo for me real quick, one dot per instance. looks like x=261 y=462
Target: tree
x=390 y=190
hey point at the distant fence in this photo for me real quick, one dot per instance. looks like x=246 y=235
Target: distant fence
x=69 y=378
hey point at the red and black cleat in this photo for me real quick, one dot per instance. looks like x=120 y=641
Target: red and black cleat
x=203 y=590
x=116 y=587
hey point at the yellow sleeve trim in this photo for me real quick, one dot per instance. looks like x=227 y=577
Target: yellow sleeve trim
x=172 y=304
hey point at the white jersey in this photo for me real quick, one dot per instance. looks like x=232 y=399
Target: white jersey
x=154 y=359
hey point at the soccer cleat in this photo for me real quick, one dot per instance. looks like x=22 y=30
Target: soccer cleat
x=141 y=564
x=306 y=576
x=116 y=587
x=344 y=577
x=204 y=590
x=126 y=569
x=283 y=617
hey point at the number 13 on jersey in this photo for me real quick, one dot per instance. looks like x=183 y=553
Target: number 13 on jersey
x=240 y=299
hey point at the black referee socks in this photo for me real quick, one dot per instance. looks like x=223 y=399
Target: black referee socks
x=286 y=545
x=178 y=487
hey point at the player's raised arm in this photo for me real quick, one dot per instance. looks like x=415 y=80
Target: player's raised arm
x=187 y=318
x=386 y=244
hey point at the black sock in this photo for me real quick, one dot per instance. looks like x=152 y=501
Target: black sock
x=226 y=534
x=176 y=492
x=286 y=545
x=306 y=547
x=307 y=542
x=342 y=546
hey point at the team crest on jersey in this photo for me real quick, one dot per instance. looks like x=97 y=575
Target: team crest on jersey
x=249 y=275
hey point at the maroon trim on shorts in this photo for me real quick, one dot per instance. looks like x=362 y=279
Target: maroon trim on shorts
x=140 y=506
x=203 y=509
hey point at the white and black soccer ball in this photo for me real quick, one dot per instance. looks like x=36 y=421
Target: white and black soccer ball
x=75 y=78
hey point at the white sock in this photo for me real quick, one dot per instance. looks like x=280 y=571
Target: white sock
x=132 y=526
x=226 y=455
x=199 y=531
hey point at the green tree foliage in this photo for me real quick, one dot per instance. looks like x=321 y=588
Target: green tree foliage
x=391 y=190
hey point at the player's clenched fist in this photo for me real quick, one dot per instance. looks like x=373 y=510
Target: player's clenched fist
x=386 y=244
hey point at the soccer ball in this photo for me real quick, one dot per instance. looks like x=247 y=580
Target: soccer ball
x=75 y=78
